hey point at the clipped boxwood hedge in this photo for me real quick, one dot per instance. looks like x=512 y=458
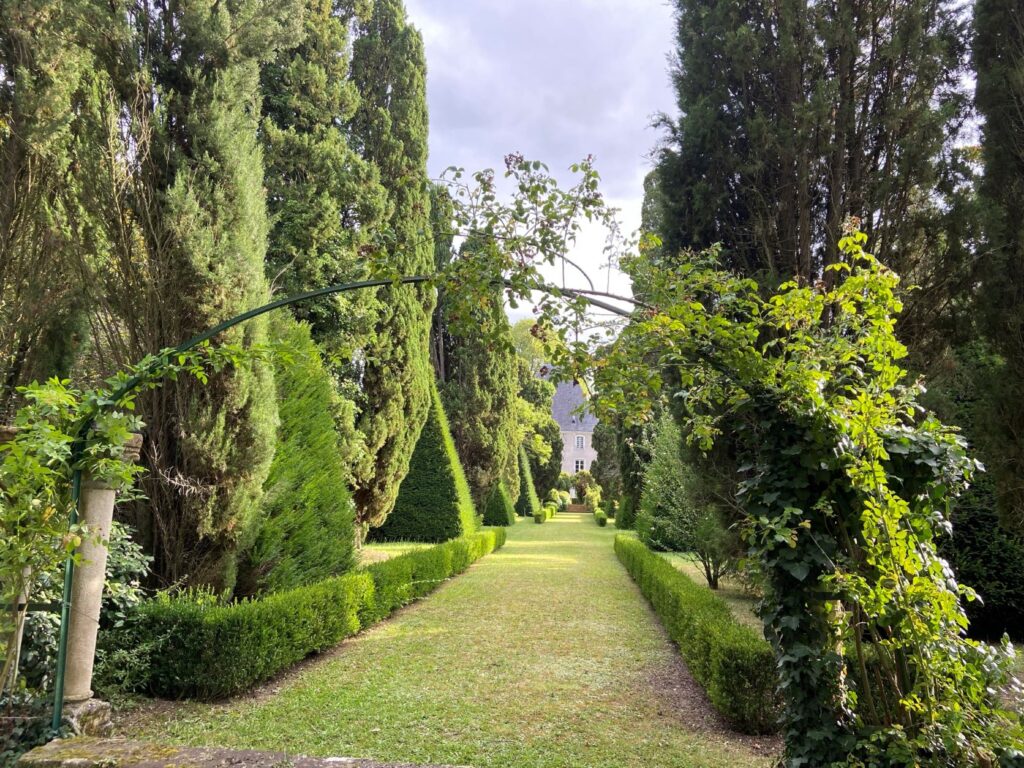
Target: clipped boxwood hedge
x=198 y=649
x=434 y=503
x=734 y=666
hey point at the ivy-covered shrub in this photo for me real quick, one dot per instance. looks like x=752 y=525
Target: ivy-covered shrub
x=498 y=510
x=307 y=530
x=527 y=504
x=600 y=518
x=202 y=649
x=731 y=663
x=434 y=502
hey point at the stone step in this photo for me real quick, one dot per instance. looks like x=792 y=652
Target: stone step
x=84 y=752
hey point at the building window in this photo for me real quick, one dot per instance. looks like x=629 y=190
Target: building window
x=581 y=441
x=580 y=464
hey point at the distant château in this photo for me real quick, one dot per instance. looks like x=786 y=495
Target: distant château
x=576 y=423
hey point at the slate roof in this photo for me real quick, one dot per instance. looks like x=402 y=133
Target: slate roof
x=568 y=398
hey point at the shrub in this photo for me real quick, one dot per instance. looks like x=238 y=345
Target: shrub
x=601 y=518
x=204 y=650
x=498 y=510
x=550 y=510
x=583 y=482
x=564 y=482
x=434 y=503
x=678 y=511
x=593 y=498
x=541 y=515
x=307 y=533
x=734 y=666
x=564 y=499
x=527 y=504
x=625 y=518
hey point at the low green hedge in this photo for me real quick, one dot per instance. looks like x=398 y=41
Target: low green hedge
x=199 y=649
x=734 y=666
x=540 y=516
x=601 y=517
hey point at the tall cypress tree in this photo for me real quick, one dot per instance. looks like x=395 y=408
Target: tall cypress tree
x=324 y=199
x=999 y=59
x=43 y=78
x=796 y=114
x=390 y=129
x=186 y=212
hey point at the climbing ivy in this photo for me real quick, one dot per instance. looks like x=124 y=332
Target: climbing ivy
x=847 y=484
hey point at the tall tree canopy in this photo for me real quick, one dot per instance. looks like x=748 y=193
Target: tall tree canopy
x=797 y=114
x=390 y=129
x=999 y=58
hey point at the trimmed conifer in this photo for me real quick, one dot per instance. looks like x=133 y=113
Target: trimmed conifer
x=307 y=535
x=528 y=504
x=434 y=503
x=499 y=510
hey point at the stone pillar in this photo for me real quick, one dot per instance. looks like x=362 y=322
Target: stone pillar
x=96 y=511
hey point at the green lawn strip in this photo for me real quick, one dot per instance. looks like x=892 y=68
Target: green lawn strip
x=731 y=591
x=543 y=654
x=376 y=552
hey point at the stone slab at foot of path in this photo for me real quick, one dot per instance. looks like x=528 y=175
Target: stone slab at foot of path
x=121 y=753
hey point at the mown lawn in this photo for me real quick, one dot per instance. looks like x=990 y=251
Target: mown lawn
x=740 y=602
x=543 y=654
x=377 y=551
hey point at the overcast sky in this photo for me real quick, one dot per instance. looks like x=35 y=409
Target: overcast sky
x=554 y=79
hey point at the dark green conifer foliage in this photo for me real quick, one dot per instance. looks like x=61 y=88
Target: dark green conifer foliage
x=324 y=199
x=189 y=223
x=307 y=534
x=434 y=503
x=498 y=509
x=390 y=129
x=43 y=83
x=999 y=58
x=795 y=115
x=528 y=504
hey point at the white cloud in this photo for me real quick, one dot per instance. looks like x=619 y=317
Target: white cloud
x=556 y=80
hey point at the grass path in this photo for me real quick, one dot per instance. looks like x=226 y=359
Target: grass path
x=543 y=654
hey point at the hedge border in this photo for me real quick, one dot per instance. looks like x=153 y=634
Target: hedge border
x=734 y=666
x=204 y=651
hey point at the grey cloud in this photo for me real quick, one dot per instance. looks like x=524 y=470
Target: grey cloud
x=556 y=80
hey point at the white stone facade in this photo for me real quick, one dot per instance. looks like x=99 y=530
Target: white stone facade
x=574 y=457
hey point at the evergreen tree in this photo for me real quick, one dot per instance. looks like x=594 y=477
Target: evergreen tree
x=185 y=210
x=308 y=513
x=434 y=503
x=795 y=115
x=528 y=502
x=324 y=199
x=999 y=58
x=389 y=128
x=482 y=392
x=498 y=509
x=44 y=77
x=605 y=469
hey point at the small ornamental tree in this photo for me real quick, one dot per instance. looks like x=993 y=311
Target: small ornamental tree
x=434 y=503
x=527 y=504
x=499 y=510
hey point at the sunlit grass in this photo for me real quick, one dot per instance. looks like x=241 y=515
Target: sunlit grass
x=543 y=654
x=730 y=590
